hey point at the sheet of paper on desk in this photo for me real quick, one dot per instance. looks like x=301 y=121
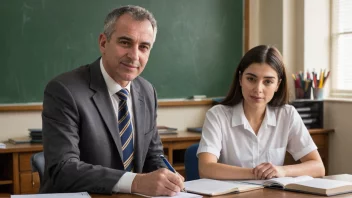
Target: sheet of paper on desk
x=61 y=195
x=256 y=182
x=178 y=195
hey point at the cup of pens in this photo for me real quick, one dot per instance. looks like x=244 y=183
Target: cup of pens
x=305 y=83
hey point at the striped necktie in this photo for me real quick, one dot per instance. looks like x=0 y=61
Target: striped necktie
x=126 y=131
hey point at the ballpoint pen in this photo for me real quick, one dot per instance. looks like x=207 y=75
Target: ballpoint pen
x=167 y=163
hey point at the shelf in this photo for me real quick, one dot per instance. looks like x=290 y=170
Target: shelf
x=4 y=182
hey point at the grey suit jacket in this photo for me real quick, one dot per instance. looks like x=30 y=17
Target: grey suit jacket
x=81 y=140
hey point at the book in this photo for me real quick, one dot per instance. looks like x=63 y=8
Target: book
x=164 y=130
x=213 y=187
x=341 y=177
x=195 y=129
x=307 y=184
x=19 y=140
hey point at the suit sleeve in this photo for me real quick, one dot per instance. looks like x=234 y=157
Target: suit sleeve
x=153 y=161
x=61 y=136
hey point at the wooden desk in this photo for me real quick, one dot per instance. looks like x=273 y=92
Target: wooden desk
x=264 y=193
x=175 y=147
x=16 y=176
x=15 y=170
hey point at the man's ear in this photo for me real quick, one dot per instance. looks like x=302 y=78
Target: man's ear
x=278 y=85
x=102 y=42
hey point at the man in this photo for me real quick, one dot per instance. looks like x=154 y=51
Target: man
x=99 y=120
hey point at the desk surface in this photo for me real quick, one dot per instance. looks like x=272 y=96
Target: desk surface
x=266 y=192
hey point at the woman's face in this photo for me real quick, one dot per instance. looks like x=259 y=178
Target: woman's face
x=259 y=83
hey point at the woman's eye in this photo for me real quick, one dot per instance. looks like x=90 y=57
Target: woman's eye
x=250 y=79
x=268 y=82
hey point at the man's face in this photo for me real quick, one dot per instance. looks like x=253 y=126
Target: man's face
x=125 y=55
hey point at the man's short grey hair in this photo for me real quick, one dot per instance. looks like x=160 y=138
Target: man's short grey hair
x=137 y=12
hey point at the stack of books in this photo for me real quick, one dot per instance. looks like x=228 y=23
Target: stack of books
x=164 y=130
x=35 y=136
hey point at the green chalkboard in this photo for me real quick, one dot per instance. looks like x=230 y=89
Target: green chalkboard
x=198 y=45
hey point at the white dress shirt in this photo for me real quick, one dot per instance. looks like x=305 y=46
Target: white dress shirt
x=228 y=135
x=125 y=183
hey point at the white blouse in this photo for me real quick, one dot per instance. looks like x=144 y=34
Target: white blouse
x=228 y=135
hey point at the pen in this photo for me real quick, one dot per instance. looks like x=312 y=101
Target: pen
x=170 y=167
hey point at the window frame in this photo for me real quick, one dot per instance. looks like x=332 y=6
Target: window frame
x=335 y=34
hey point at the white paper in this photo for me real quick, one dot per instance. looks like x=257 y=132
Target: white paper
x=324 y=183
x=61 y=195
x=178 y=195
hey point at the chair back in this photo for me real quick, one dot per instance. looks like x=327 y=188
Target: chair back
x=38 y=164
x=191 y=163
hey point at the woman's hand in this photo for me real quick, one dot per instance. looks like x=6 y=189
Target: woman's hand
x=268 y=171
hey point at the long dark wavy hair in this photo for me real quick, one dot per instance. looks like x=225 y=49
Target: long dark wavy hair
x=260 y=54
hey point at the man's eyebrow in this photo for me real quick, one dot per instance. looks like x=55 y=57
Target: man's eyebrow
x=124 y=38
x=146 y=43
x=130 y=39
x=250 y=74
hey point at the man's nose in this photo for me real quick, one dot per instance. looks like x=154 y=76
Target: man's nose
x=133 y=53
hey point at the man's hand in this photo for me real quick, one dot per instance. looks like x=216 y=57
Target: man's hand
x=268 y=171
x=161 y=182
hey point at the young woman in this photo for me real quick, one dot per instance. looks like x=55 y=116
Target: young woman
x=248 y=134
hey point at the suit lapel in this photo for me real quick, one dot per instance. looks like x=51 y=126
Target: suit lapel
x=102 y=100
x=139 y=120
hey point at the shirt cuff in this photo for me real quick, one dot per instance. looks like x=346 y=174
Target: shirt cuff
x=304 y=152
x=124 y=184
x=207 y=149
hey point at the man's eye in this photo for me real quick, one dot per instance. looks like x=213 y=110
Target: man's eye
x=124 y=43
x=145 y=47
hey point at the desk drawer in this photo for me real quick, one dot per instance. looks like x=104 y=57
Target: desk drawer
x=29 y=182
x=25 y=161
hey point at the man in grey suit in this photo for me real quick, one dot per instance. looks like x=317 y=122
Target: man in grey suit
x=81 y=117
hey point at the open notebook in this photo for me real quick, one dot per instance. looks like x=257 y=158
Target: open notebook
x=215 y=187
x=307 y=184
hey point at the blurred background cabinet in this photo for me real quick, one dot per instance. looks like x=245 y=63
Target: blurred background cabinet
x=16 y=176
x=311 y=112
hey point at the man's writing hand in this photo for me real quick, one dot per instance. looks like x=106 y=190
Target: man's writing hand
x=161 y=182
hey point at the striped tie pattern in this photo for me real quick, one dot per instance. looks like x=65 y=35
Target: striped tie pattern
x=126 y=131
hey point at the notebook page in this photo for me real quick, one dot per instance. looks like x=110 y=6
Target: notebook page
x=283 y=181
x=210 y=186
x=324 y=183
x=178 y=195
x=61 y=195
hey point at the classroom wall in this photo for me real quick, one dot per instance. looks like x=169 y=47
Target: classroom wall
x=337 y=116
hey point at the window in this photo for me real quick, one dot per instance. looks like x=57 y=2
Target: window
x=341 y=69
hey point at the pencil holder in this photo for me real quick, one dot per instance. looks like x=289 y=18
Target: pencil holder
x=318 y=93
x=303 y=94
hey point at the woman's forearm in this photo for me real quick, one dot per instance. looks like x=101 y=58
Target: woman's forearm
x=224 y=171
x=314 y=168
